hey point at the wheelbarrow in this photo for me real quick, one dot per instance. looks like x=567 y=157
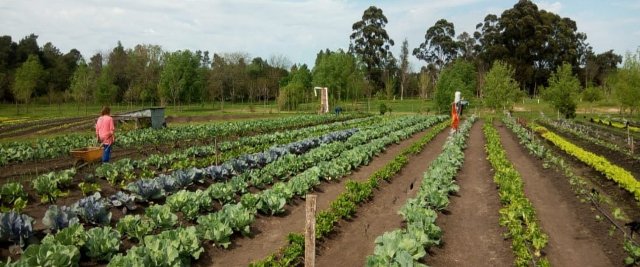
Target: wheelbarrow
x=86 y=155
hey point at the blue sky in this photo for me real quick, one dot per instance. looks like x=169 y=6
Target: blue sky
x=295 y=29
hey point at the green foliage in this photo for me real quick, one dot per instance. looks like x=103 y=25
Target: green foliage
x=74 y=235
x=13 y=195
x=26 y=79
x=592 y=94
x=562 y=91
x=517 y=214
x=106 y=92
x=371 y=43
x=383 y=109
x=46 y=186
x=189 y=203
x=102 y=243
x=81 y=84
x=339 y=72
x=49 y=254
x=627 y=82
x=460 y=76
x=439 y=47
x=89 y=188
x=135 y=226
x=212 y=227
x=161 y=216
x=178 y=78
x=501 y=90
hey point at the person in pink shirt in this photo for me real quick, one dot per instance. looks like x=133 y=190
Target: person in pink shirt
x=105 y=132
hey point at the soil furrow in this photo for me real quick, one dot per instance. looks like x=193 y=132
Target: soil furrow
x=271 y=231
x=569 y=224
x=472 y=235
x=355 y=239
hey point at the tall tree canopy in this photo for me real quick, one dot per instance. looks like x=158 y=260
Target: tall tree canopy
x=459 y=76
x=27 y=77
x=371 y=43
x=563 y=90
x=535 y=42
x=439 y=47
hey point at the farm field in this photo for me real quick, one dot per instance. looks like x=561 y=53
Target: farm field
x=390 y=190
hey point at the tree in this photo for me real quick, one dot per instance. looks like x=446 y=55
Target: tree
x=404 y=66
x=179 y=76
x=563 y=90
x=371 y=43
x=592 y=94
x=627 y=83
x=460 y=76
x=106 y=91
x=81 y=84
x=535 y=42
x=501 y=90
x=27 y=76
x=439 y=47
x=338 y=71
x=292 y=93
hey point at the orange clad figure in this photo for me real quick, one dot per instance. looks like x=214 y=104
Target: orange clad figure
x=455 y=119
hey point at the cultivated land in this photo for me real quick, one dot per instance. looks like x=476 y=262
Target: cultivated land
x=228 y=189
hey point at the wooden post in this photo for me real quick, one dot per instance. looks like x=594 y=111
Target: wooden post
x=215 y=145
x=310 y=232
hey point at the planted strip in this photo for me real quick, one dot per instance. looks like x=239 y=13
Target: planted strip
x=355 y=194
x=517 y=214
x=599 y=163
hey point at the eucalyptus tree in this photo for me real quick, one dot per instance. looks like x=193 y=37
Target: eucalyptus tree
x=371 y=43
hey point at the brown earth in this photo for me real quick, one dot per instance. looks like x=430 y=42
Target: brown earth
x=270 y=231
x=626 y=162
x=575 y=237
x=472 y=235
x=355 y=239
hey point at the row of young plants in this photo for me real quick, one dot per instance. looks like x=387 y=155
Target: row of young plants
x=134 y=226
x=217 y=227
x=148 y=190
x=408 y=245
x=580 y=186
x=130 y=170
x=589 y=134
x=518 y=214
x=126 y=170
x=613 y=172
x=616 y=124
x=94 y=209
x=46 y=148
x=346 y=204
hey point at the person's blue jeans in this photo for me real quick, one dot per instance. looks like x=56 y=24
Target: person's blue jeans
x=106 y=154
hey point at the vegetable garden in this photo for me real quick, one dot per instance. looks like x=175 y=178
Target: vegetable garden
x=392 y=191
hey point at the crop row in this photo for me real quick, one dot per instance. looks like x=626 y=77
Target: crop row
x=46 y=148
x=616 y=124
x=345 y=205
x=50 y=186
x=590 y=135
x=581 y=187
x=517 y=214
x=163 y=212
x=407 y=246
x=613 y=172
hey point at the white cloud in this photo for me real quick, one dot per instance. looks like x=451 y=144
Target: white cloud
x=297 y=29
x=554 y=7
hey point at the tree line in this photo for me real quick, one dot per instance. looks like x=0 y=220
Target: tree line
x=530 y=44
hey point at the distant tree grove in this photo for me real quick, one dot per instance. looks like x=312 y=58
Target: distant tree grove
x=534 y=50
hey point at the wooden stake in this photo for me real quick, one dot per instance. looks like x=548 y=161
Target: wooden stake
x=310 y=232
x=215 y=145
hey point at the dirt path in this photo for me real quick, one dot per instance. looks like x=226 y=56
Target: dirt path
x=472 y=235
x=569 y=224
x=271 y=231
x=356 y=239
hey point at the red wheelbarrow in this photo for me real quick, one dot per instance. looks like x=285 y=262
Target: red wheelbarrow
x=86 y=155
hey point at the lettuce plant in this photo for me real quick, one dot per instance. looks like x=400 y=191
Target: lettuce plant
x=102 y=243
x=161 y=216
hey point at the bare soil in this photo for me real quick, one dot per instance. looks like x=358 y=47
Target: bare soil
x=472 y=235
x=269 y=232
x=575 y=237
x=355 y=239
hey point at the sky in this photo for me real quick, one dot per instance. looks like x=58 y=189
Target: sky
x=291 y=28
